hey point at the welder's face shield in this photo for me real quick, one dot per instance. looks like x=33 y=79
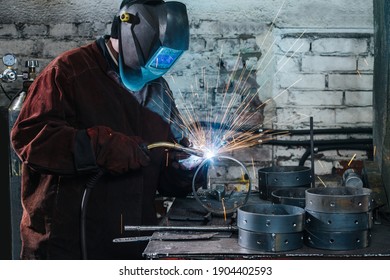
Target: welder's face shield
x=151 y=39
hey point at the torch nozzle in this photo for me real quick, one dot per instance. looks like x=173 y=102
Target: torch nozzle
x=177 y=147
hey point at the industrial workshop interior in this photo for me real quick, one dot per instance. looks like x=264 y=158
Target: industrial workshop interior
x=286 y=105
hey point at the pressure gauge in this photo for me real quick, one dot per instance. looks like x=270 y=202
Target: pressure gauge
x=9 y=60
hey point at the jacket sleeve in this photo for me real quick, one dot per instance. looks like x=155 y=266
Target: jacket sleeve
x=44 y=135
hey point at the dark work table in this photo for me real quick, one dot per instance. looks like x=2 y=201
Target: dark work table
x=224 y=245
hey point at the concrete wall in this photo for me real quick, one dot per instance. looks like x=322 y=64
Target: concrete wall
x=306 y=58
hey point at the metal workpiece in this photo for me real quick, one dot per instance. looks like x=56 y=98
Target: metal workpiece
x=349 y=240
x=270 y=242
x=336 y=222
x=277 y=177
x=269 y=218
x=216 y=202
x=289 y=196
x=285 y=176
x=172 y=236
x=338 y=199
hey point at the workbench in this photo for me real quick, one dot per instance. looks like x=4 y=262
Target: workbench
x=224 y=245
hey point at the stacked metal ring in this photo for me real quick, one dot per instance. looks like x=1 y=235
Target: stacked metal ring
x=338 y=218
x=272 y=228
x=282 y=177
x=290 y=196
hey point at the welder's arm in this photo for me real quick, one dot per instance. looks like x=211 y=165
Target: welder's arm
x=114 y=152
x=45 y=140
x=93 y=148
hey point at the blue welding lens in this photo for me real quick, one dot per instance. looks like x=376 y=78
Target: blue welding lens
x=163 y=59
x=156 y=67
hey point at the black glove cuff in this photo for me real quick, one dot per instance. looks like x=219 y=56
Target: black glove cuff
x=84 y=156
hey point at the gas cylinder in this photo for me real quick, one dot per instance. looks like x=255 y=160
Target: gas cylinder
x=15 y=170
x=16 y=105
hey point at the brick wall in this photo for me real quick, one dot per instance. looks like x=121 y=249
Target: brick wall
x=309 y=58
x=328 y=76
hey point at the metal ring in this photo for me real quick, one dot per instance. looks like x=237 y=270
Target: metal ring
x=338 y=199
x=338 y=222
x=285 y=176
x=276 y=177
x=269 y=218
x=210 y=208
x=337 y=240
x=289 y=196
x=271 y=242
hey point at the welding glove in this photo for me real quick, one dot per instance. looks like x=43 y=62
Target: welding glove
x=182 y=160
x=116 y=152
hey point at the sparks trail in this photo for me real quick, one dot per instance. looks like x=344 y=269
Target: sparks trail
x=229 y=126
x=231 y=129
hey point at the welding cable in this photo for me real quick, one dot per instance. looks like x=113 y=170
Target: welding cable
x=91 y=183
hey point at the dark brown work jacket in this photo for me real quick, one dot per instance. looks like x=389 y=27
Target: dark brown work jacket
x=76 y=91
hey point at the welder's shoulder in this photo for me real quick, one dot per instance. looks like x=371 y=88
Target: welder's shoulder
x=76 y=61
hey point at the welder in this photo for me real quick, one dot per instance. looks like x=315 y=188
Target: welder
x=96 y=108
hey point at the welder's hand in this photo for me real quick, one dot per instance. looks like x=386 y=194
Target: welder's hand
x=183 y=160
x=190 y=162
x=116 y=152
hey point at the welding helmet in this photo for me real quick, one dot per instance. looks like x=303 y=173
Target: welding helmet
x=152 y=36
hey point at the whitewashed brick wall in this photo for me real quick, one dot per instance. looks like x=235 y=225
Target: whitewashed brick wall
x=325 y=45
x=335 y=74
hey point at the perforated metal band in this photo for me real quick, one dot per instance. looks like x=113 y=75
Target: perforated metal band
x=337 y=240
x=338 y=199
x=289 y=196
x=270 y=218
x=338 y=222
x=276 y=177
x=270 y=242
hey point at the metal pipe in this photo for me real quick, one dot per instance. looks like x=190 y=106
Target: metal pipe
x=359 y=147
x=306 y=143
x=313 y=183
x=181 y=228
x=346 y=130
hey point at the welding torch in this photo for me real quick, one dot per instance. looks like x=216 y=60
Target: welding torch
x=177 y=147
